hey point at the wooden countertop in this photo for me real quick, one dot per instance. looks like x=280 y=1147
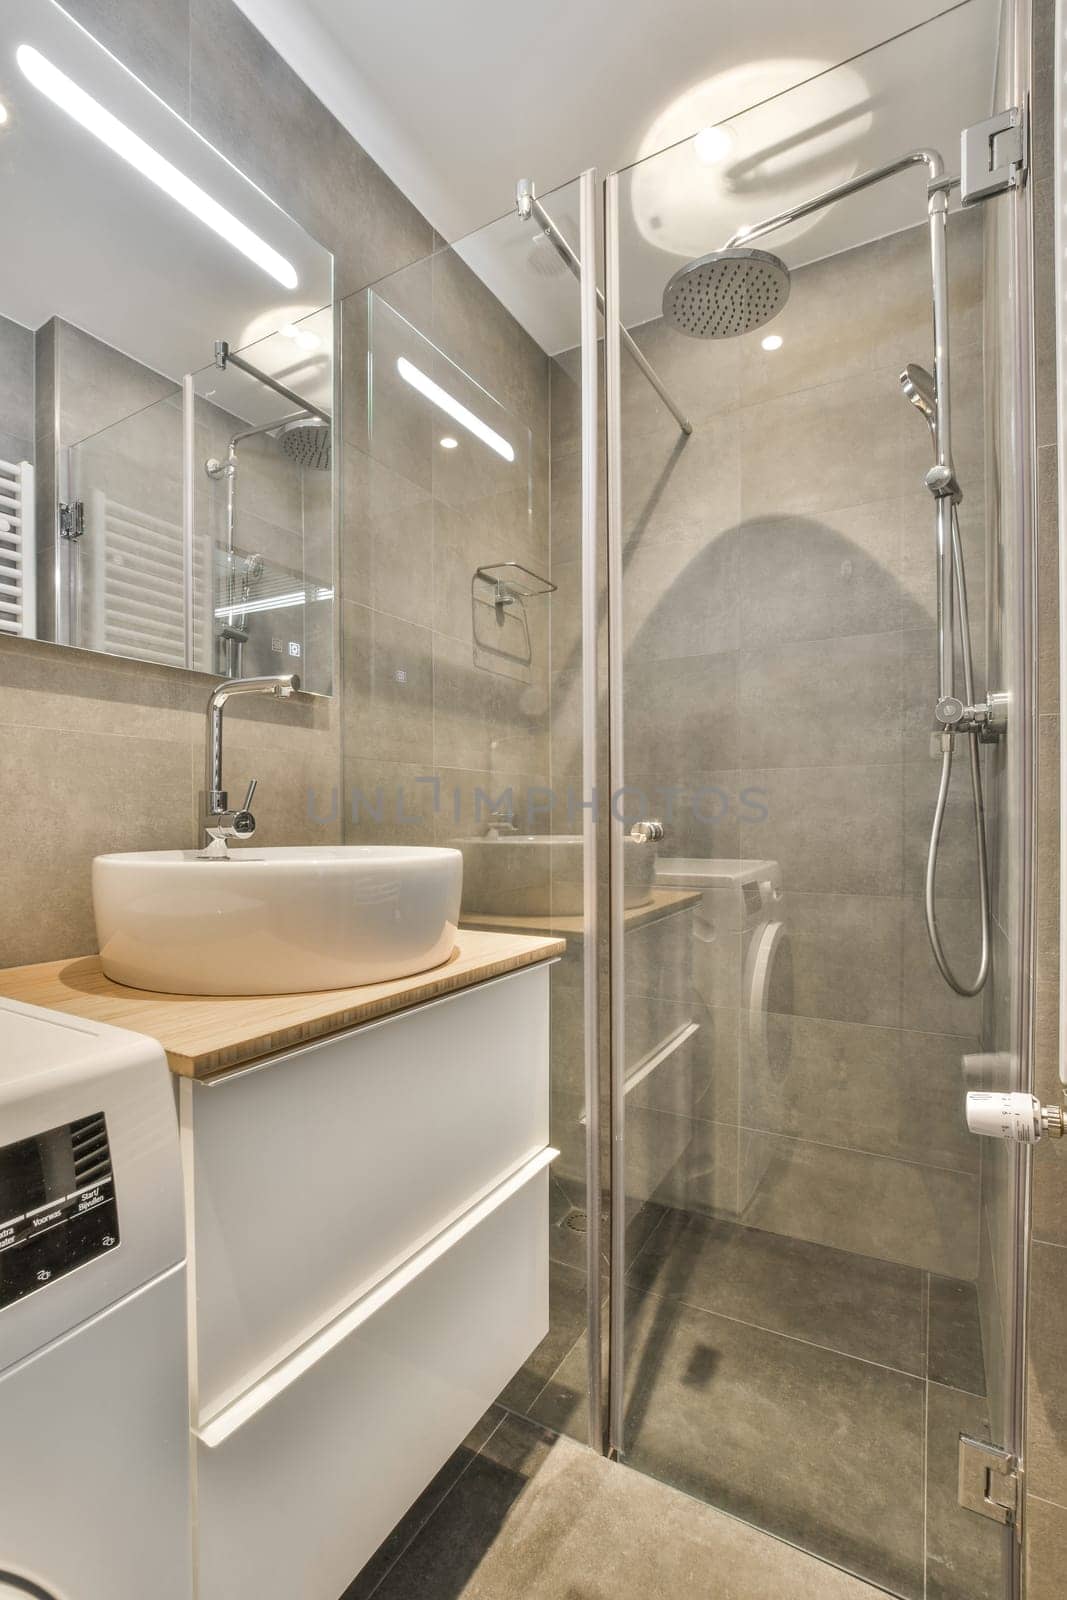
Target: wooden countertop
x=663 y=903
x=205 y=1034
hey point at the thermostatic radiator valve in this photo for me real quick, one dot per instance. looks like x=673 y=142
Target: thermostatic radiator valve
x=1021 y=1117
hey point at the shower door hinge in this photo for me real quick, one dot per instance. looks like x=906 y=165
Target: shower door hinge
x=989 y=1480
x=71 y=519
x=993 y=156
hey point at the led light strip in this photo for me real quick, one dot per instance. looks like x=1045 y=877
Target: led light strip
x=92 y=116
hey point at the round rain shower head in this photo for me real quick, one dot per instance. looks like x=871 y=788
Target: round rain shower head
x=727 y=293
x=308 y=444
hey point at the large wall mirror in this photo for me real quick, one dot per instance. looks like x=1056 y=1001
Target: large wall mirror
x=167 y=380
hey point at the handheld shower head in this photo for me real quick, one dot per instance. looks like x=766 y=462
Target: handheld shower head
x=726 y=293
x=918 y=386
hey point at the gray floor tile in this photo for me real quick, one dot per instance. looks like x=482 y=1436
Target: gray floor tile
x=818 y=1448
x=536 y=1518
x=413 y=1520
x=954 y=1348
x=849 y=1303
x=567 y=1321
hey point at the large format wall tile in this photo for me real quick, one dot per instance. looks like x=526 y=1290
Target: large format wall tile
x=843 y=1302
x=821 y=703
x=867 y=310
x=837 y=445
x=894 y=1210
x=71 y=798
x=859 y=1087
x=832 y=829
x=388 y=687
x=152 y=40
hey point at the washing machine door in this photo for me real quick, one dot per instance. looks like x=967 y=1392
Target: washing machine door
x=12 y=1588
x=765 y=973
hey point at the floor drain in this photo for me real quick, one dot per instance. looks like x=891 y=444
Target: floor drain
x=577 y=1221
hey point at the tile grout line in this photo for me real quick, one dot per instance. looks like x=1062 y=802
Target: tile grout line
x=809 y=1344
x=433 y=1513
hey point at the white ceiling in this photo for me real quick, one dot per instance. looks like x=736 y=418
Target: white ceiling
x=457 y=101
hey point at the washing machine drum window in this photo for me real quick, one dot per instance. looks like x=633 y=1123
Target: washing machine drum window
x=12 y=1588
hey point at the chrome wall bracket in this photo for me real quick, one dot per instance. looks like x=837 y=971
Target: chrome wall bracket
x=993 y=156
x=71 y=519
x=988 y=1481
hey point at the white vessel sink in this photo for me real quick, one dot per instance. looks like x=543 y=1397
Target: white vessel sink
x=535 y=874
x=279 y=921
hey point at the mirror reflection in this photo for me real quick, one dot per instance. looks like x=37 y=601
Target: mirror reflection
x=145 y=256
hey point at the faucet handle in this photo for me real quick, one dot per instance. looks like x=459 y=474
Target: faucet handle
x=244 y=823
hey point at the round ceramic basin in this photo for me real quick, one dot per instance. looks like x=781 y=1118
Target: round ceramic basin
x=278 y=921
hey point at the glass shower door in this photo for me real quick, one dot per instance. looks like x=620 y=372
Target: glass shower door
x=814 y=1262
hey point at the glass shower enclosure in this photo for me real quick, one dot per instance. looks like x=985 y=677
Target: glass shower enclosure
x=814 y=1263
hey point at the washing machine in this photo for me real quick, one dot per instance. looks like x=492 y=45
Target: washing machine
x=742 y=957
x=740 y=954
x=94 y=1415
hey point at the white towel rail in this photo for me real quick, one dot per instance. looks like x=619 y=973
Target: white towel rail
x=18 y=555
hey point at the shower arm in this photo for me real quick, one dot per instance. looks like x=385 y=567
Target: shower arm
x=225 y=357
x=528 y=206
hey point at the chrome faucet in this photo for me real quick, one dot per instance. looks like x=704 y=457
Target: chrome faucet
x=219 y=822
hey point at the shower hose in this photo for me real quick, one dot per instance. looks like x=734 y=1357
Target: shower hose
x=971 y=735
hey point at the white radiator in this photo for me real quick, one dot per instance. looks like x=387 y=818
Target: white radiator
x=18 y=570
x=136 y=588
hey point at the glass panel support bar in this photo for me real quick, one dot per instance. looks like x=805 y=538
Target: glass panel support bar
x=587 y=188
x=528 y=205
x=616 y=840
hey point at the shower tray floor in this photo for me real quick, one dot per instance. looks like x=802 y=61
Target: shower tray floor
x=520 y=1510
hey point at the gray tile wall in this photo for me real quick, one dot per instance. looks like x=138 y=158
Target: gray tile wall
x=779 y=679
x=432 y=684
x=1046 y=1453
x=98 y=754
x=16 y=400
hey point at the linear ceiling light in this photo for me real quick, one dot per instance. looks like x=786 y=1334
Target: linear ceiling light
x=66 y=94
x=459 y=413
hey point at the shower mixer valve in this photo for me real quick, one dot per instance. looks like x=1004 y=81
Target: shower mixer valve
x=986 y=719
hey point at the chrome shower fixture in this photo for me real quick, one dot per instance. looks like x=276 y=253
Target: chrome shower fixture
x=738 y=288
x=307 y=443
x=727 y=293
x=918 y=386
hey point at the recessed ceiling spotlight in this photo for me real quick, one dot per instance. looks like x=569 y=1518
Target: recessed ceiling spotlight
x=5 y=115
x=773 y=341
x=713 y=144
x=448 y=443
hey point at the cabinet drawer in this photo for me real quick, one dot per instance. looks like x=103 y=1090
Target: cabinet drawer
x=319 y=1172
x=300 y=1482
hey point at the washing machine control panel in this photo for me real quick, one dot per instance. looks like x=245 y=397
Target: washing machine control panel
x=57 y=1205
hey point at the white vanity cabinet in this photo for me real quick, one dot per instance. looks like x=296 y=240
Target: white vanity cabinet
x=369 y=1249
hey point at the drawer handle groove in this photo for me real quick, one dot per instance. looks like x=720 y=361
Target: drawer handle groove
x=217 y=1429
